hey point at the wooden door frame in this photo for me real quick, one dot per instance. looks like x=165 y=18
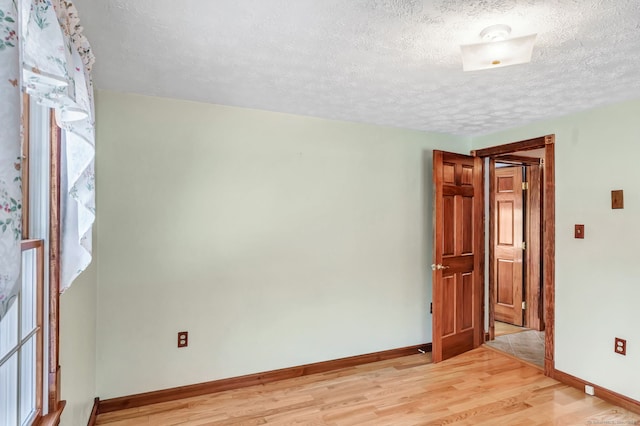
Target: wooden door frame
x=531 y=235
x=493 y=226
x=548 y=232
x=534 y=315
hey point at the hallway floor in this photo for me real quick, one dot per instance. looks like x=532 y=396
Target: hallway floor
x=523 y=343
x=503 y=328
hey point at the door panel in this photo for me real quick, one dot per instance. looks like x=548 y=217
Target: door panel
x=467 y=301
x=448 y=205
x=505 y=282
x=467 y=225
x=458 y=254
x=448 y=298
x=505 y=223
x=508 y=247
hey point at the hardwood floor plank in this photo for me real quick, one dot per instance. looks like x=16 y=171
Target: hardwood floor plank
x=482 y=387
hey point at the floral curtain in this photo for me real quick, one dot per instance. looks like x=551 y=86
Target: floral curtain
x=78 y=174
x=10 y=185
x=56 y=71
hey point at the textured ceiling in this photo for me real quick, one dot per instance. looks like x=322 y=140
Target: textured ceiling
x=388 y=62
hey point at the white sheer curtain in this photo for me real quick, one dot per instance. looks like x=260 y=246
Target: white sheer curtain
x=56 y=71
x=10 y=185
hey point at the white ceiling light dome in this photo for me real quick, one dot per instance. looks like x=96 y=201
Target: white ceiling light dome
x=498 y=49
x=496 y=32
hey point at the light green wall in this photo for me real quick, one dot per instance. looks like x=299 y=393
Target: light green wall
x=279 y=240
x=597 y=285
x=275 y=240
x=78 y=347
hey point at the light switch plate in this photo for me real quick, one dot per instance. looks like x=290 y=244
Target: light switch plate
x=617 y=199
x=579 y=231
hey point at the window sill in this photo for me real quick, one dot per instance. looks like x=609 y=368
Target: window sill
x=53 y=418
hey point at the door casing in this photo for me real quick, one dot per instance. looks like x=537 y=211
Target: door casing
x=531 y=233
x=548 y=234
x=506 y=239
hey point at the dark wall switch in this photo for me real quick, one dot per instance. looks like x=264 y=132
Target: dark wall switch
x=579 y=231
x=617 y=199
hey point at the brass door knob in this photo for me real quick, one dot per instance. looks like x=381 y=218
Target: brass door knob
x=438 y=267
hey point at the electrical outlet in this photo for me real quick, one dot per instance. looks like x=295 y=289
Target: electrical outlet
x=620 y=346
x=588 y=389
x=183 y=339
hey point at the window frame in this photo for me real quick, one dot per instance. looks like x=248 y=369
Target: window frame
x=19 y=349
x=49 y=406
x=55 y=137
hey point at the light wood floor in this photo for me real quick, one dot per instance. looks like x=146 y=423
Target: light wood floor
x=481 y=387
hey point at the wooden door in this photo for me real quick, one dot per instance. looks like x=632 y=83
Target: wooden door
x=508 y=244
x=458 y=254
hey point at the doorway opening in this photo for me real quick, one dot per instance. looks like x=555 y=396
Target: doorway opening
x=521 y=245
x=515 y=266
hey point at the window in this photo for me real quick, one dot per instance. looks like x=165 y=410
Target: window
x=28 y=341
x=21 y=342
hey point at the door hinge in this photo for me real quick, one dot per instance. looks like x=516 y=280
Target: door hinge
x=431 y=308
x=525 y=186
x=524 y=245
x=524 y=305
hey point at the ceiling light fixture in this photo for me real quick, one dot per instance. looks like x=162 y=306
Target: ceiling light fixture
x=497 y=49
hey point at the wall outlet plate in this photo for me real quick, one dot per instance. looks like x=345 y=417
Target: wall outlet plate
x=183 y=339
x=620 y=346
x=588 y=389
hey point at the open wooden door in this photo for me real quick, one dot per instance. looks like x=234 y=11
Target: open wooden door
x=458 y=254
x=508 y=244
